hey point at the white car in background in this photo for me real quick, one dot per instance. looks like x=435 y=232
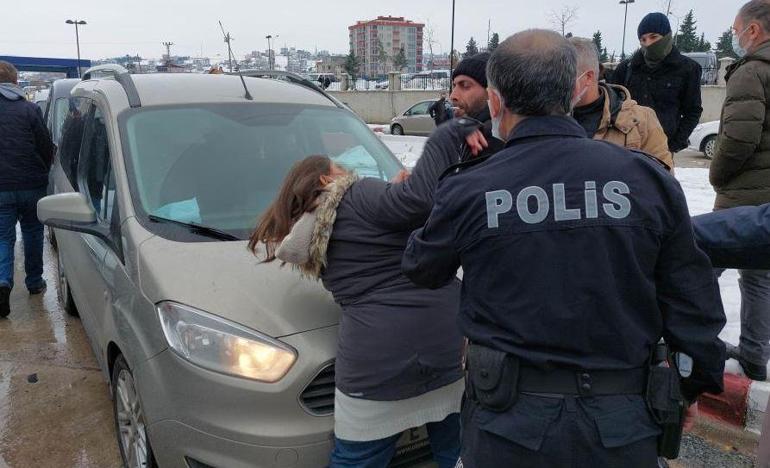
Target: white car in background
x=704 y=138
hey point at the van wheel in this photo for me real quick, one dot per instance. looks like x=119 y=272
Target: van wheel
x=397 y=130
x=130 y=427
x=63 y=289
x=709 y=145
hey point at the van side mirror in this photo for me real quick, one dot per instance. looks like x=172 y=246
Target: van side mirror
x=65 y=208
x=73 y=212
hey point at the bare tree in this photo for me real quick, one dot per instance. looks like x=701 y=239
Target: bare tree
x=561 y=20
x=429 y=40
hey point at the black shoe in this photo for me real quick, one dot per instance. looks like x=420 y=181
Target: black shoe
x=38 y=289
x=753 y=371
x=5 y=301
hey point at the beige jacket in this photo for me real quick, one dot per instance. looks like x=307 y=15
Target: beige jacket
x=635 y=127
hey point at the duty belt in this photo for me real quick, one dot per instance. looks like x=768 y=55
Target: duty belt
x=582 y=383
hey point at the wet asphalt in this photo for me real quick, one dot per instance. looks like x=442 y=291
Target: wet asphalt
x=55 y=406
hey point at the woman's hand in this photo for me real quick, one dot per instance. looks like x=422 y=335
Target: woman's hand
x=476 y=142
x=402 y=175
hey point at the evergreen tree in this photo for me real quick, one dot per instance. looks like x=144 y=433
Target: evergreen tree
x=471 y=48
x=725 y=45
x=703 y=44
x=602 y=50
x=494 y=41
x=382 y=56
x=399 y=60
x=687 y=39
x=352 y=64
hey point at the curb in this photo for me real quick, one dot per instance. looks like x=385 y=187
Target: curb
x=743 y=403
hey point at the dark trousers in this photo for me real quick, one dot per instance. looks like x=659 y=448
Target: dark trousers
x=560 y=432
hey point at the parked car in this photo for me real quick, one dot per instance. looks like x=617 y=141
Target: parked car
x=414 y=121
x=704 y=138
x=213 y=358
x=709 y=66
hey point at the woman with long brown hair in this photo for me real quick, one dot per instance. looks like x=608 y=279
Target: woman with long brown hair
x=399 y=350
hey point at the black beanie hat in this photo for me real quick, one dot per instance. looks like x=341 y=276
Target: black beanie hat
x=475 y=67
x=654 y=23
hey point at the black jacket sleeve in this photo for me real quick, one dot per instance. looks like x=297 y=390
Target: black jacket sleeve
x=618 y=76
x=691 y=107
x=689 y=299
x=406 y=205
x=431 y=259
x=736 y=237
x=43 y=143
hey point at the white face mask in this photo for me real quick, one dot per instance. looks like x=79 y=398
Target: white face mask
x=740 y=51
x=496 y=121
x=576 y=100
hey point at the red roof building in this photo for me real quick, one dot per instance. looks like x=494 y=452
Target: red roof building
x=394 y=32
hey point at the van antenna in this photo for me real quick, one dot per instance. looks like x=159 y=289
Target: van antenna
x=228 y=39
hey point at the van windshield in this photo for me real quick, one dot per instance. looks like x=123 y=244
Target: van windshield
x=220 y=165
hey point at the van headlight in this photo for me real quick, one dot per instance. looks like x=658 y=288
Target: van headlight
x=223 y=346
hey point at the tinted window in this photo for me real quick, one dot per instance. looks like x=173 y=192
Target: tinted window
x=421 y=108
x=96 y=172
x=222 y=164
x=75 y=109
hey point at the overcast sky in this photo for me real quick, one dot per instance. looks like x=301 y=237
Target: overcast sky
x=139 y=26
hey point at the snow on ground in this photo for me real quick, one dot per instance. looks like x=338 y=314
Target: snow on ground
x=700 y=199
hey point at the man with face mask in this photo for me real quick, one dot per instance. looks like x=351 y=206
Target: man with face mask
x=740 y=170
x=578 y=256
x=607 y=112
x=660 y=77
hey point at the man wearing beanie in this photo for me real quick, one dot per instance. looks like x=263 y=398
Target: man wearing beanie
x=660 y=77
x=448 y=143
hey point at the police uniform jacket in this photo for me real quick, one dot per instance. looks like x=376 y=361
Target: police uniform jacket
x=576 y=254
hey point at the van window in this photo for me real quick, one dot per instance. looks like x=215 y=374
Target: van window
x=96 y=171
x=222 y=164
x=73 y=125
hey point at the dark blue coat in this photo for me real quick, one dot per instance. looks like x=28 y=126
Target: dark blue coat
x=576 y=254
x=736 y=237
x=26 y=149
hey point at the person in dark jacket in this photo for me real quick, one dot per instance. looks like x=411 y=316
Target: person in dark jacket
x=740 y=171
x=26 y=152
x=399 y=353
x=438 y=110
x=660 y=77
x=577 y=257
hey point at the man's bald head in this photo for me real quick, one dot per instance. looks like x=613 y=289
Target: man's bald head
x=535 y=72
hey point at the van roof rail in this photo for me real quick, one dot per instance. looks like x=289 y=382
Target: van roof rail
x=119 y=74
x=291 y=78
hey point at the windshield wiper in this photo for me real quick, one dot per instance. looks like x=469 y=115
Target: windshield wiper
x=207 y=231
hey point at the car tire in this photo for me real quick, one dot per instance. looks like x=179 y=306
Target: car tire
x=130 y=427
x=63 y=292
x=708 y=146
x=396 y=130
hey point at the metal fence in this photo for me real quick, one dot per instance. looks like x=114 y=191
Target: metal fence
x=422 y=83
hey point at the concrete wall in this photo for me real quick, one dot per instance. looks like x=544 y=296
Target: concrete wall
x=378 y=107
x=713 y=97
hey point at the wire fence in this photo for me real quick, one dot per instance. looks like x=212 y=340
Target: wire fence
x=406 y=82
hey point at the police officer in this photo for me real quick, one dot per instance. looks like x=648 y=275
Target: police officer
x=578 y=256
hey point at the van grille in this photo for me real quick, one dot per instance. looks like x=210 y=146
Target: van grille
x=318 y=396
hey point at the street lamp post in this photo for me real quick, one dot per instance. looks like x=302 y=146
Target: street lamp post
x=77 y=38
x=452 y=48
x=269 y=52
x=625 y=19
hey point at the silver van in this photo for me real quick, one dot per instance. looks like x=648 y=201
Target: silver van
x=213 y=358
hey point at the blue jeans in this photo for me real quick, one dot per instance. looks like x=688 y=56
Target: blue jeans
x=21 y=206
x=444 y=442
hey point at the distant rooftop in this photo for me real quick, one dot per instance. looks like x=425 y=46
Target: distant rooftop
x=387 y=21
